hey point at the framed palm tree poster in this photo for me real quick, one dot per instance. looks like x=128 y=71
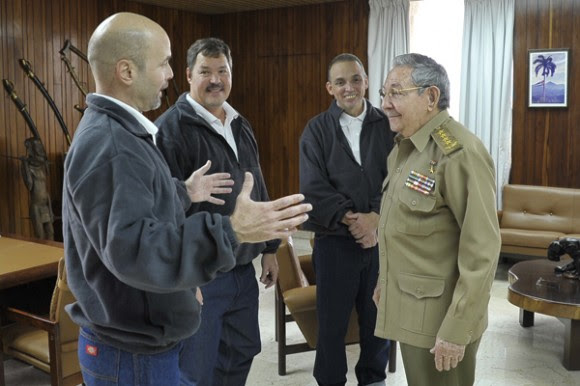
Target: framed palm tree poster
x=548 y=72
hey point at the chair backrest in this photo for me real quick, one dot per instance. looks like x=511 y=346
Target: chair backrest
x=290 y=273
x=62 y=295
x=68 y=330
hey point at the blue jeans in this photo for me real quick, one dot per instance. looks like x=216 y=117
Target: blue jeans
x=105 y=365
x=346 y=276
x=222 y=350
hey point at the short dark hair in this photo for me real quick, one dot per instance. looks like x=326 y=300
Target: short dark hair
x=210 y=47
x=344 y=58
x=426 y=72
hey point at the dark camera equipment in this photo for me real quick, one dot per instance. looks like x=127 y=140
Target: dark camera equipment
x=566 y=246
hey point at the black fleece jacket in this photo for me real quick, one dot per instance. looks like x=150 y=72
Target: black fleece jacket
x=331 y=179
x=187 y=141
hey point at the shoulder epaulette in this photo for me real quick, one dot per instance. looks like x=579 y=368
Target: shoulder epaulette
x=445 y=140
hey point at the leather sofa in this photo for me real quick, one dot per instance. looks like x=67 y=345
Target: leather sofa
x=534 y=216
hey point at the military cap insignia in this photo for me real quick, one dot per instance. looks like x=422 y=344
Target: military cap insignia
x=445 y=140
x=420 y=183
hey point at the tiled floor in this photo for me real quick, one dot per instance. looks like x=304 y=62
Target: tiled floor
x=508 y=355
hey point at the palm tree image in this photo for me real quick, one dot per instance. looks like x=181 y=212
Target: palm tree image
x=548 y=67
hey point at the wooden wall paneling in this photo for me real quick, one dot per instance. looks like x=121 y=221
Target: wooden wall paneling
x=17 y=129
x=524 y=138
x=305 y=106
x=569 y=38
x=36 y=110
x=170 y=26
x=360 y=15
x=185 y=29
x=272 y=128
x=558 y=130
x=545 y=139
x=280 y=57
x=519 y=93
x=537 y=119
x=36 y=30
x=574 y=88
x=4 y=117
x=40 y=54
x=338 y=29
x=70 y=26
x=55 y=77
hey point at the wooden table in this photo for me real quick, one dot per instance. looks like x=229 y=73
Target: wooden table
x=535 y=287
x=25 y=261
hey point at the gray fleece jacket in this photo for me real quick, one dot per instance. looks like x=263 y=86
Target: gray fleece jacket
x=133 y=259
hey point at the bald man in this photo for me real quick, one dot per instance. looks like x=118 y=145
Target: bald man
x=133 y=259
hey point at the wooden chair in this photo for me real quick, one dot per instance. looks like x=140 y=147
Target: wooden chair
x=297 y=292
x=49 y=344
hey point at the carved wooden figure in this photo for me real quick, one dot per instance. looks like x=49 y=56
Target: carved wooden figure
x=34 y=169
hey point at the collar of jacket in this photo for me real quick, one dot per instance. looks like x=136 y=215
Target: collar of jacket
x=116 y=112
x=373 y=114
x=423 y=135
x=189 y=114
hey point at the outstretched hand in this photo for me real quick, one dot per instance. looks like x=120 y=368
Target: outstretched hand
x=202 y=187
x=255 y=221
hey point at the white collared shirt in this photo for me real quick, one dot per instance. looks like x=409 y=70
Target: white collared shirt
x=352 y=127
x=143 y=120
x=225 y=129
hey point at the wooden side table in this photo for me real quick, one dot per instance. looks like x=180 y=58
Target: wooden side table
x=535 y=287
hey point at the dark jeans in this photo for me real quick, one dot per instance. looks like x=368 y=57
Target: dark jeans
x=222 y=349
x=346 y=276
x=105 y=365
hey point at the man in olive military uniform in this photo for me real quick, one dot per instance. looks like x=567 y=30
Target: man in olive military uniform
x=438 y=232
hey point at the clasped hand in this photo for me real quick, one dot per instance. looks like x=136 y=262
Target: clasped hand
x=363 y=227
x=447 y=354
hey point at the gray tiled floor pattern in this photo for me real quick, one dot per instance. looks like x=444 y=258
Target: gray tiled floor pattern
x=508 y=355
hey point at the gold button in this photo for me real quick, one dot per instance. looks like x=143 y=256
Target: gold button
x=413 y=202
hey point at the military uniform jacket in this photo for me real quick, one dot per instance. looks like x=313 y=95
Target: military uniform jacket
x=439 y=236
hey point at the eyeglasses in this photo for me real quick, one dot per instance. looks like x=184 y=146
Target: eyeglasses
x=395 y=93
